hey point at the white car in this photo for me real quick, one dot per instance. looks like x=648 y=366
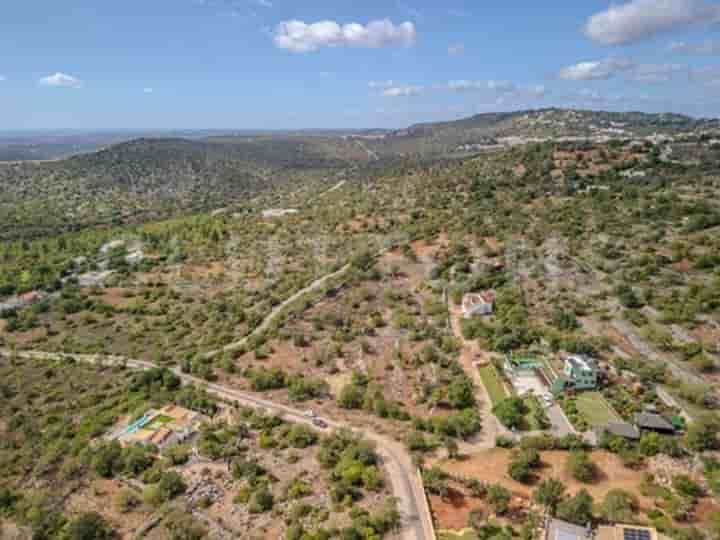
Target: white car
x=310 y=413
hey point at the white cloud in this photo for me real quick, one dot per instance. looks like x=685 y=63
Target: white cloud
x=456 y=50
x=148 y=90
x=465 y=85
x=597 y=70
x=402 y=91
x=299 y=37
x=61 y=80
x=611 y=67
x=654 y=73
x=381 y=84
x=640 y=19
x=707 y=47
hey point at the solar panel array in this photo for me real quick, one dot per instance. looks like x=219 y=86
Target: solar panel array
x=636 y=534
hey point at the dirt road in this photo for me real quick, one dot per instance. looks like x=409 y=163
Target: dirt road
x=471 y=356
x=277 y=312
x=404 y=479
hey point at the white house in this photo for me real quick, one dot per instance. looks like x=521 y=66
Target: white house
x=478 y=304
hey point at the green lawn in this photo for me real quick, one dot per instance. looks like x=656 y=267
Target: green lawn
x=159 y=421
x=594 y=409
x=493 y=384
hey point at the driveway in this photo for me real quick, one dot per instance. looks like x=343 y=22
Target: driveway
x=561 y=426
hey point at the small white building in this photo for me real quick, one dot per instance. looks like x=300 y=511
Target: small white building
x=478 y=304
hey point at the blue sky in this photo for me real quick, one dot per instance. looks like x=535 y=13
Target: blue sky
x=277 y=64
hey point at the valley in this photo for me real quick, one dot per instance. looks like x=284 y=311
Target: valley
x=384 y=343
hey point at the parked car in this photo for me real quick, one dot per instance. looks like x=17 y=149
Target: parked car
x=319 y=422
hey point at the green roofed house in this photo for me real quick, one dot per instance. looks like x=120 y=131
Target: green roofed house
x=580 y=373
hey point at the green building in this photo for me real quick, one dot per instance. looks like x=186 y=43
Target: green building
x=581 y=373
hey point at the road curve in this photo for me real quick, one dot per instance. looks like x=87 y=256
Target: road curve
x=406 y=483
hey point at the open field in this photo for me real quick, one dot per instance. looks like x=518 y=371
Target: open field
x=491 y=467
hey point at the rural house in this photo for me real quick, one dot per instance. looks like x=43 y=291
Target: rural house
x=581 y=372
x=478 y=304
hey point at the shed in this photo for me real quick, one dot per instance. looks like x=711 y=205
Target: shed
x=557 y=529
x=653 y=422
x=619 y=429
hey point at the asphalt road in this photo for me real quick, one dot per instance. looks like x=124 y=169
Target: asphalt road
x=404 y=478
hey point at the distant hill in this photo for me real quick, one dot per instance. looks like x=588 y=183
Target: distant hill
x=145 y=179
x=155 y=177
x=492 y=128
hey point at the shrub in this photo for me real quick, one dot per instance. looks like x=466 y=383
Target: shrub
x=581 y=467
x=499 y=498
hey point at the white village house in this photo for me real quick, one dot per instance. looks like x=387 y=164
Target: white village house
x=478 y=304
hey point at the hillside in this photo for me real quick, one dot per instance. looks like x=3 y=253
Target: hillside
x=147 y=179
x=509 y=128
x=346 y=305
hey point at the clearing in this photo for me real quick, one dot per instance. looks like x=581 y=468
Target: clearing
x=491 y=467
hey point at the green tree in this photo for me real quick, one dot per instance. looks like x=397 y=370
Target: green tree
x=549 y=493
x=452 y=447
x=510 y=412
x=351 y=396
x=461 y=393
x=262 y=501
x=88 y=526
x=171 y=485
x=107 y=459
x=577 y=509
x=581 y=466
x=183 y=526
x=702 y=434
x=619 y=506
x=499 y=498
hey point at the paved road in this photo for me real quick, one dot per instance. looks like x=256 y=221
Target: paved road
x=561 y=426
x=404 y=479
